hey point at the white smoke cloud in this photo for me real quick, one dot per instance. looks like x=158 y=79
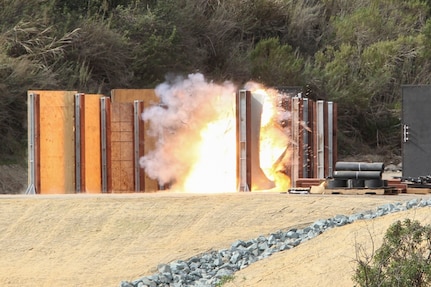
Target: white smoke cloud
x=187 y=105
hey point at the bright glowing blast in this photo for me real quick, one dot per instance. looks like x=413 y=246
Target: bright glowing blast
x=274 y=155
x=195 y=129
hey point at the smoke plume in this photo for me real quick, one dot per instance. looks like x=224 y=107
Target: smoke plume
x=187 y=107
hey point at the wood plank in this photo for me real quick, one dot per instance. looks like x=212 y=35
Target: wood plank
x=56 y=141
x=92 y=167
x=362 y=191
x=308 y=182
x=130 y=95
x=396 y=183
x=418 y=190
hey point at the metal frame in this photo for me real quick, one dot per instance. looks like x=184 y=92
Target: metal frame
x=305 y=140
x=31 y=189
x=103 y=141
x=320 y=130
x=330 y=125
x=78 y=140
x=242 y=141
x=295 y=140
x=136 y=137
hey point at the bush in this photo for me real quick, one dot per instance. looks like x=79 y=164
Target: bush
x=404 y=259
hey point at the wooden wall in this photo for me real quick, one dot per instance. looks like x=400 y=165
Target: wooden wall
x=122 y=159
x=55 y=141
x=148 y=98
x=57 y=166
x=92 y=168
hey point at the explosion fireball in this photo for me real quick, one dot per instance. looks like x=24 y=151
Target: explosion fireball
x=195 y=128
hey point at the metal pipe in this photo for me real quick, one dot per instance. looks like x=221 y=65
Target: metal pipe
x=352 y=174
x=359 y=166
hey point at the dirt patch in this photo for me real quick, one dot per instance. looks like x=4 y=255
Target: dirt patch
x=100 y=240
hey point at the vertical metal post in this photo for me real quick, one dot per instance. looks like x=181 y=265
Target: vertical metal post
x=31 y=189
x=320 y=139
x=330 y=138
x=78 y=142
x=295 y=139
x=103 y=123
x=242 y=132
x=136 y=145
x=306 y=142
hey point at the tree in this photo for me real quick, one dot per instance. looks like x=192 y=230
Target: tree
x=276 y=64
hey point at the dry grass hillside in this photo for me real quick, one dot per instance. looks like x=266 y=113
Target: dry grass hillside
x=100 y=240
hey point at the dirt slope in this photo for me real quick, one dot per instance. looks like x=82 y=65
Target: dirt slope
x=100 y=240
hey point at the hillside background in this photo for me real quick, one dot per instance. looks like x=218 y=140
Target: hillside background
x=355 y=53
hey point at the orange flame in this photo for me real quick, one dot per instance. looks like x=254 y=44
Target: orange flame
x=274 y=154
x=215 y=170
x=196 y=130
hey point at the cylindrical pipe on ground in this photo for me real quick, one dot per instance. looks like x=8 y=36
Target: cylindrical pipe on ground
x=355 y=183
x=374 y=183
x=349 y=174
x=359 y=166
x=336 y=183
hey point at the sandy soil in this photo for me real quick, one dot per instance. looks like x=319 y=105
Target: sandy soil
x=100 y=240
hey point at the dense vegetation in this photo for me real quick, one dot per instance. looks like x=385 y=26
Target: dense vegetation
x=356 y=53
x=403 y=260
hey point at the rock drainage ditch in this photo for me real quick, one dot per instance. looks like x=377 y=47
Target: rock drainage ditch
x=208 y=269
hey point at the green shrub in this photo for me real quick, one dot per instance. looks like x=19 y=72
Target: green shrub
x=404 y=259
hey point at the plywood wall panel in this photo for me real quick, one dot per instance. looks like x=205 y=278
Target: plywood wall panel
x=122 y=147
x=130 y=95
x=56 y=141
x=92 y=168
x=147 y=143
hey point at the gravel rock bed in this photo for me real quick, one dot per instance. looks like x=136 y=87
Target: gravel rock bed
x=209 y=269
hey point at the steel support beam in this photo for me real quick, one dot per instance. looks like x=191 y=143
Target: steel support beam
x=243 y=137
x=103 y=141
x=31 y=189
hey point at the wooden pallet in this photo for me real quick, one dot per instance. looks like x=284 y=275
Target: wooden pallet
x=418 y=190
x=396 y=183
x=363 y=191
